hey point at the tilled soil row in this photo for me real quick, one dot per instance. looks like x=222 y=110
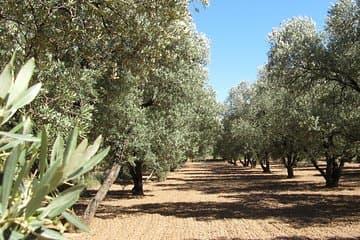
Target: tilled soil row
x=214 y=200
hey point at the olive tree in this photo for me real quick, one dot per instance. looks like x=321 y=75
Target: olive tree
x=31 y=205
x=155 y=94
x=320 y=71
x=55 y=34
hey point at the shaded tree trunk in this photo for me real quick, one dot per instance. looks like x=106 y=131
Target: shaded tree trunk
x=332 y=172
x=334 y=168
x=243 y=162
x=233 y=162
x=252 y=163
x=290 y=172
x=265 y=164
x=290 y=161
x=246 y=160
x=105 y=187
x=101 y=193
x=136 y=174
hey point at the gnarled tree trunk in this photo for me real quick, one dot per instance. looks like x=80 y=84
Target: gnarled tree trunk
x=136 y=174
x=334 y=164
x=246 y=161
x=290 y=161
x=332 y=172
x=233 y=162
x=290 y=172
x=265 y=163
x=252 y=163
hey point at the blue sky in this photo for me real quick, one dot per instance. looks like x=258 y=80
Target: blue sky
x=238 y=30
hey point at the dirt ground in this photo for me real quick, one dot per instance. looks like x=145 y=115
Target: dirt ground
x=218 y=201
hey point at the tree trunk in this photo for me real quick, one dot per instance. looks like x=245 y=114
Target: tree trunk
x=289 y=162
x=233 y=162
x=290 y=171
x=150 y=176
x=333 y=172
x=136 y=174
x=314 y=162
x=101 y=193
x=265 y=164
x=105 y=187
x=252 y=163
x=266 y=167
x=247 y=161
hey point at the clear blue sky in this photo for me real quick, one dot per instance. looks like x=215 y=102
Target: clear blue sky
x=238 y=31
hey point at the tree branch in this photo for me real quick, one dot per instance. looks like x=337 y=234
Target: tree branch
x=313 y=161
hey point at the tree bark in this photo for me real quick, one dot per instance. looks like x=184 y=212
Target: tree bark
x=266 y=167
x=150 y=176
x=105 y=187
x=289 y=162
x=136 y=174
x=246 y=160
x=314 y=162
x=333 y=172
x=101 y=193
x=290 y=172
x=252 y=163
x=233 y=162
x=265 y=164
x=333 y=168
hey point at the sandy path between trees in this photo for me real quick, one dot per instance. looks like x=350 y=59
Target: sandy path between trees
x=218 y=201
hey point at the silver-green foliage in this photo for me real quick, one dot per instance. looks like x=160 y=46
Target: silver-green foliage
x=305 y=104
x=44 y=30
x=135 y=68
x=67 y=98
x=31 y=207
x=320 y=71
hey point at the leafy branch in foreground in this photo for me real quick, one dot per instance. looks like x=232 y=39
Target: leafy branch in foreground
x=31 y=206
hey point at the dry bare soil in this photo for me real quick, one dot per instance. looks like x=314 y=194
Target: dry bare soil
x=215 y=200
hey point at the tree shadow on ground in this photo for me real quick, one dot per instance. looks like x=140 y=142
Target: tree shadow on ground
x=298 y=210
x=89 y=193
x=115 y=195
x=307 y=238
x=286 y=238
x=251 y=195
x=223 y=178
